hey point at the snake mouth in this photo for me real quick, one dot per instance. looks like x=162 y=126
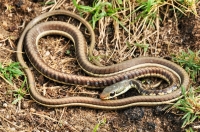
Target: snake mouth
x=104 y=96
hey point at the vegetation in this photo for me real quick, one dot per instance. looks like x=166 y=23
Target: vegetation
x=143 y=16
x=98 y=125
x=190 y=61
x=190 y=105
x=134 y=25
x=9 y=73
x=139 y=20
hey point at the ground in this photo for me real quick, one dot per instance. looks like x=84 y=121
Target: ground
x=27 y=115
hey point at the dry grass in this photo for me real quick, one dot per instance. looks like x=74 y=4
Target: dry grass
x=114 y=44
x=129 y=32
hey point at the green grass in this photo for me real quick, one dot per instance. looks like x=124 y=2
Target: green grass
x=19 y=93
x=99 y=10
x=142 y=46
x=98 y=125
x=139 y=20
x=11 y=72
x=147 y=15
x=190 y=61
x=189 y=130
x=150 y=8
x=190 y=105
x=147 y=11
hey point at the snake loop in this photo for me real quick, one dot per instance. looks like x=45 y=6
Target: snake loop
x=108 y=75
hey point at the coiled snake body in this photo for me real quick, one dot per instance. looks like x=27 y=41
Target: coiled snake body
x=135 y=68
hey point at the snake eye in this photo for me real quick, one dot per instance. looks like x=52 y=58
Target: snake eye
x=112 y=94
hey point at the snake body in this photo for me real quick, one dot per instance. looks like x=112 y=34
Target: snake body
x=135 y=68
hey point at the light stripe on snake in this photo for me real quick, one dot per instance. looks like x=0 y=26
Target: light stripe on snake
x=139 y=66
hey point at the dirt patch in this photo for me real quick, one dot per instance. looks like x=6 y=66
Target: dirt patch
x=30 y=116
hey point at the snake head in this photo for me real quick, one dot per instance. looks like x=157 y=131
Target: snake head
x=116 y=89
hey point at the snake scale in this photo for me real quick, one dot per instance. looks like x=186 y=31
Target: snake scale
x=108 y=75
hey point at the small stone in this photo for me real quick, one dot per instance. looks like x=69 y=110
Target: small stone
x=5 y=24
x=29 y=9
x=36 y=130
x=25 y=105
x=7 y=116
x=5 y=105
x=32 y=110
x=158 y=45
x=10 y=15
x=12 y=129
x=159 y=50
x=47 y=53
x=1 y=37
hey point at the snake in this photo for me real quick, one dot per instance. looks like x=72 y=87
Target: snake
x=102 y=75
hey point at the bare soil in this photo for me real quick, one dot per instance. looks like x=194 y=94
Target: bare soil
x=27 y=115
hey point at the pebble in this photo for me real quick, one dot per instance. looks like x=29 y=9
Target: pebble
x=25 y=105
x=158 y=45
x=7 y=116
x=36 y=130
x=5 y=105
x=12 y=129
x=1 y=37
x=32 y=110
x=47 y=53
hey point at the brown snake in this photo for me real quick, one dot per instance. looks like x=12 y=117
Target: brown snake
x=138 y=67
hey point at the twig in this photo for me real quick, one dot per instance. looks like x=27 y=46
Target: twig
x=6 y=80
x=47 y=117
x=9 y=121
x=10 y=50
